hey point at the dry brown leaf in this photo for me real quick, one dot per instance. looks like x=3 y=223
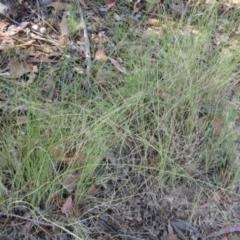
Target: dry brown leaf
x=26 y=44
x=117 y=17
x=100 y=55
x=15 y=30
x=70 y=183
x=3 y=97
x=164 y=96
x=153 y=22
x=224 y=237
x=110 y=3
x=92 y=190
x=17 y=69
x=67 y=206
x=228 y=200
x=117 y=65
x=172 y=237
x=217 y=125
x=64 y=25
x=3 y=26
x=138 y=6
x=99 y=39
x=224 y=230
x=101 y=78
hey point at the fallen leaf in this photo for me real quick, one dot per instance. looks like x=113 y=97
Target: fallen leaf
x=153 y=22
x=117 y=65
x=67 y=206
x=172 y=237
x=138 y=6
x=101 y=77
x=3 y=25
x=117 y=17
x=78 y=70
x=71 y=181
x=92 y=190
x=98 y=39
x=224 y=238
x=64 y=25
x=225 y=230
x=228 y=200
x=17 y=69
x=15 y=30
x=183 y=225
x=3 y=97
x=110 y=3
x=26 y=44
x=100 y=55
x=217 y=125
x=164 y=96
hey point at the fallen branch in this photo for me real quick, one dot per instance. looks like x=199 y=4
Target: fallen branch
x=87 y=45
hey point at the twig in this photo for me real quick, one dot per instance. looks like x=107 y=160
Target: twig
x=87 y=45
x=39 y=222
x=35 y=221
x=35 y=36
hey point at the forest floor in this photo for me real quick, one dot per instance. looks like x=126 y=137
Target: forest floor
x=119 y=119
